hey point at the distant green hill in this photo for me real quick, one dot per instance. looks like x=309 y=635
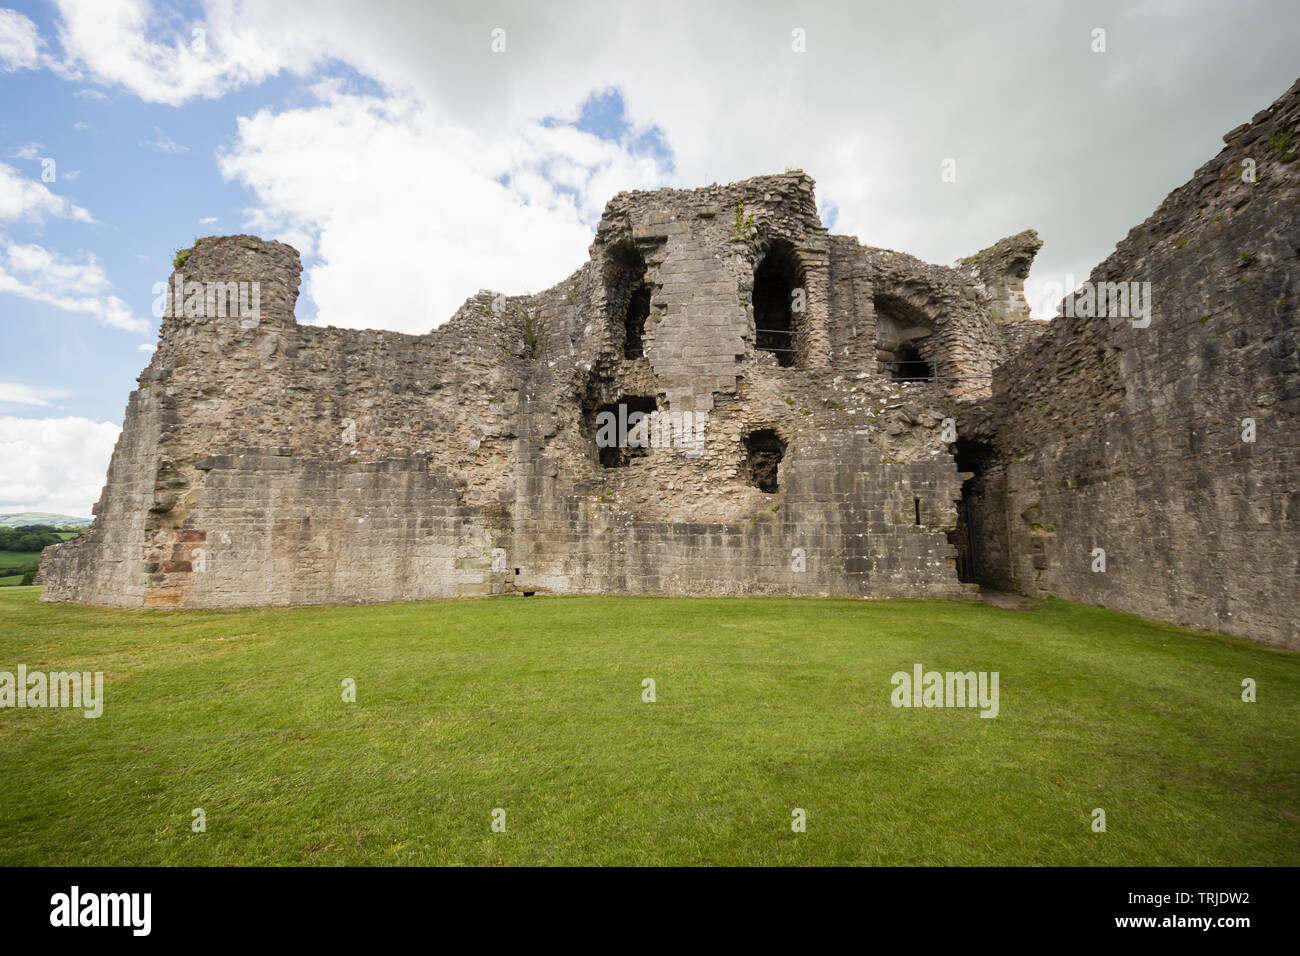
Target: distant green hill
x=42 y=517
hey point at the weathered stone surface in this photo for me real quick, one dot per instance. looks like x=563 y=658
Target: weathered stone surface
x=270 y=463
x=1130 y=439
x=285 y=464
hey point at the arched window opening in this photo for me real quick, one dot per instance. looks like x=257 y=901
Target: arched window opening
x=902 y=329
x=764 y=450
x=779 y=300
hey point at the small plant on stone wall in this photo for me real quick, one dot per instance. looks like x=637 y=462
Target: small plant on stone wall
x=182 y=256
x=743 y=224
x=1282 y=145
x=534 y=334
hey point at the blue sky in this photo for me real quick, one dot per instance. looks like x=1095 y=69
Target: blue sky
x=147 y=202
x=412 y=163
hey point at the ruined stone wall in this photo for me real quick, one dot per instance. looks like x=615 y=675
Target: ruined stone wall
x=273 y=463
x=673 y=522
x=103 y=564
x=1130 y=440
x=959 y=337
x=264 y=462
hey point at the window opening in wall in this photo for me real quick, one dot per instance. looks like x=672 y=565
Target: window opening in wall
x=627 y=295
x=778 y=287
x=622 y=430
x=638 y=310
x=764 y=451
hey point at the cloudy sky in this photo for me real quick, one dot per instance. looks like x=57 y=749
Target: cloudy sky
x=417 y=151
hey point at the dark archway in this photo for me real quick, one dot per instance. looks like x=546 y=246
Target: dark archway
x=909 y=366
x=972 y=538
x=779 y=299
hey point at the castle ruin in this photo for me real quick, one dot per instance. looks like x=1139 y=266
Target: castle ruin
x=728 y=400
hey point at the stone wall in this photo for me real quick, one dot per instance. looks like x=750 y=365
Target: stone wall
x=1129 y=439
x=264 y=462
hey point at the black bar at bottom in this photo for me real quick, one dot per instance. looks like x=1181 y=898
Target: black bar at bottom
x=975 y=906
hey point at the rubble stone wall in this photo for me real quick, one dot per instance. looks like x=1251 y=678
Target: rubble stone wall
x=266 y=462
x=1134 y=440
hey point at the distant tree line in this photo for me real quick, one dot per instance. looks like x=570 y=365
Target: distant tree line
x=32 y=537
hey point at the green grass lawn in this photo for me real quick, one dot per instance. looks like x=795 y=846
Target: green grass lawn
x=535 y=706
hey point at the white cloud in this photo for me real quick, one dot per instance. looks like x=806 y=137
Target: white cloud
x=89 y=94
x=26 y=199
x=161 y=58
x=36 y=273
x=883 y=94
x=341 y=180
x=12 y=393
x=146 y=347
x=20 y=42
x=29 y=151
x=53 y=464
x=161 y=142
x=207 y=220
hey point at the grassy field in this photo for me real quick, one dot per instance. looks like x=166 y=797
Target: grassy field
x=11 y=561
x=535 y=706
